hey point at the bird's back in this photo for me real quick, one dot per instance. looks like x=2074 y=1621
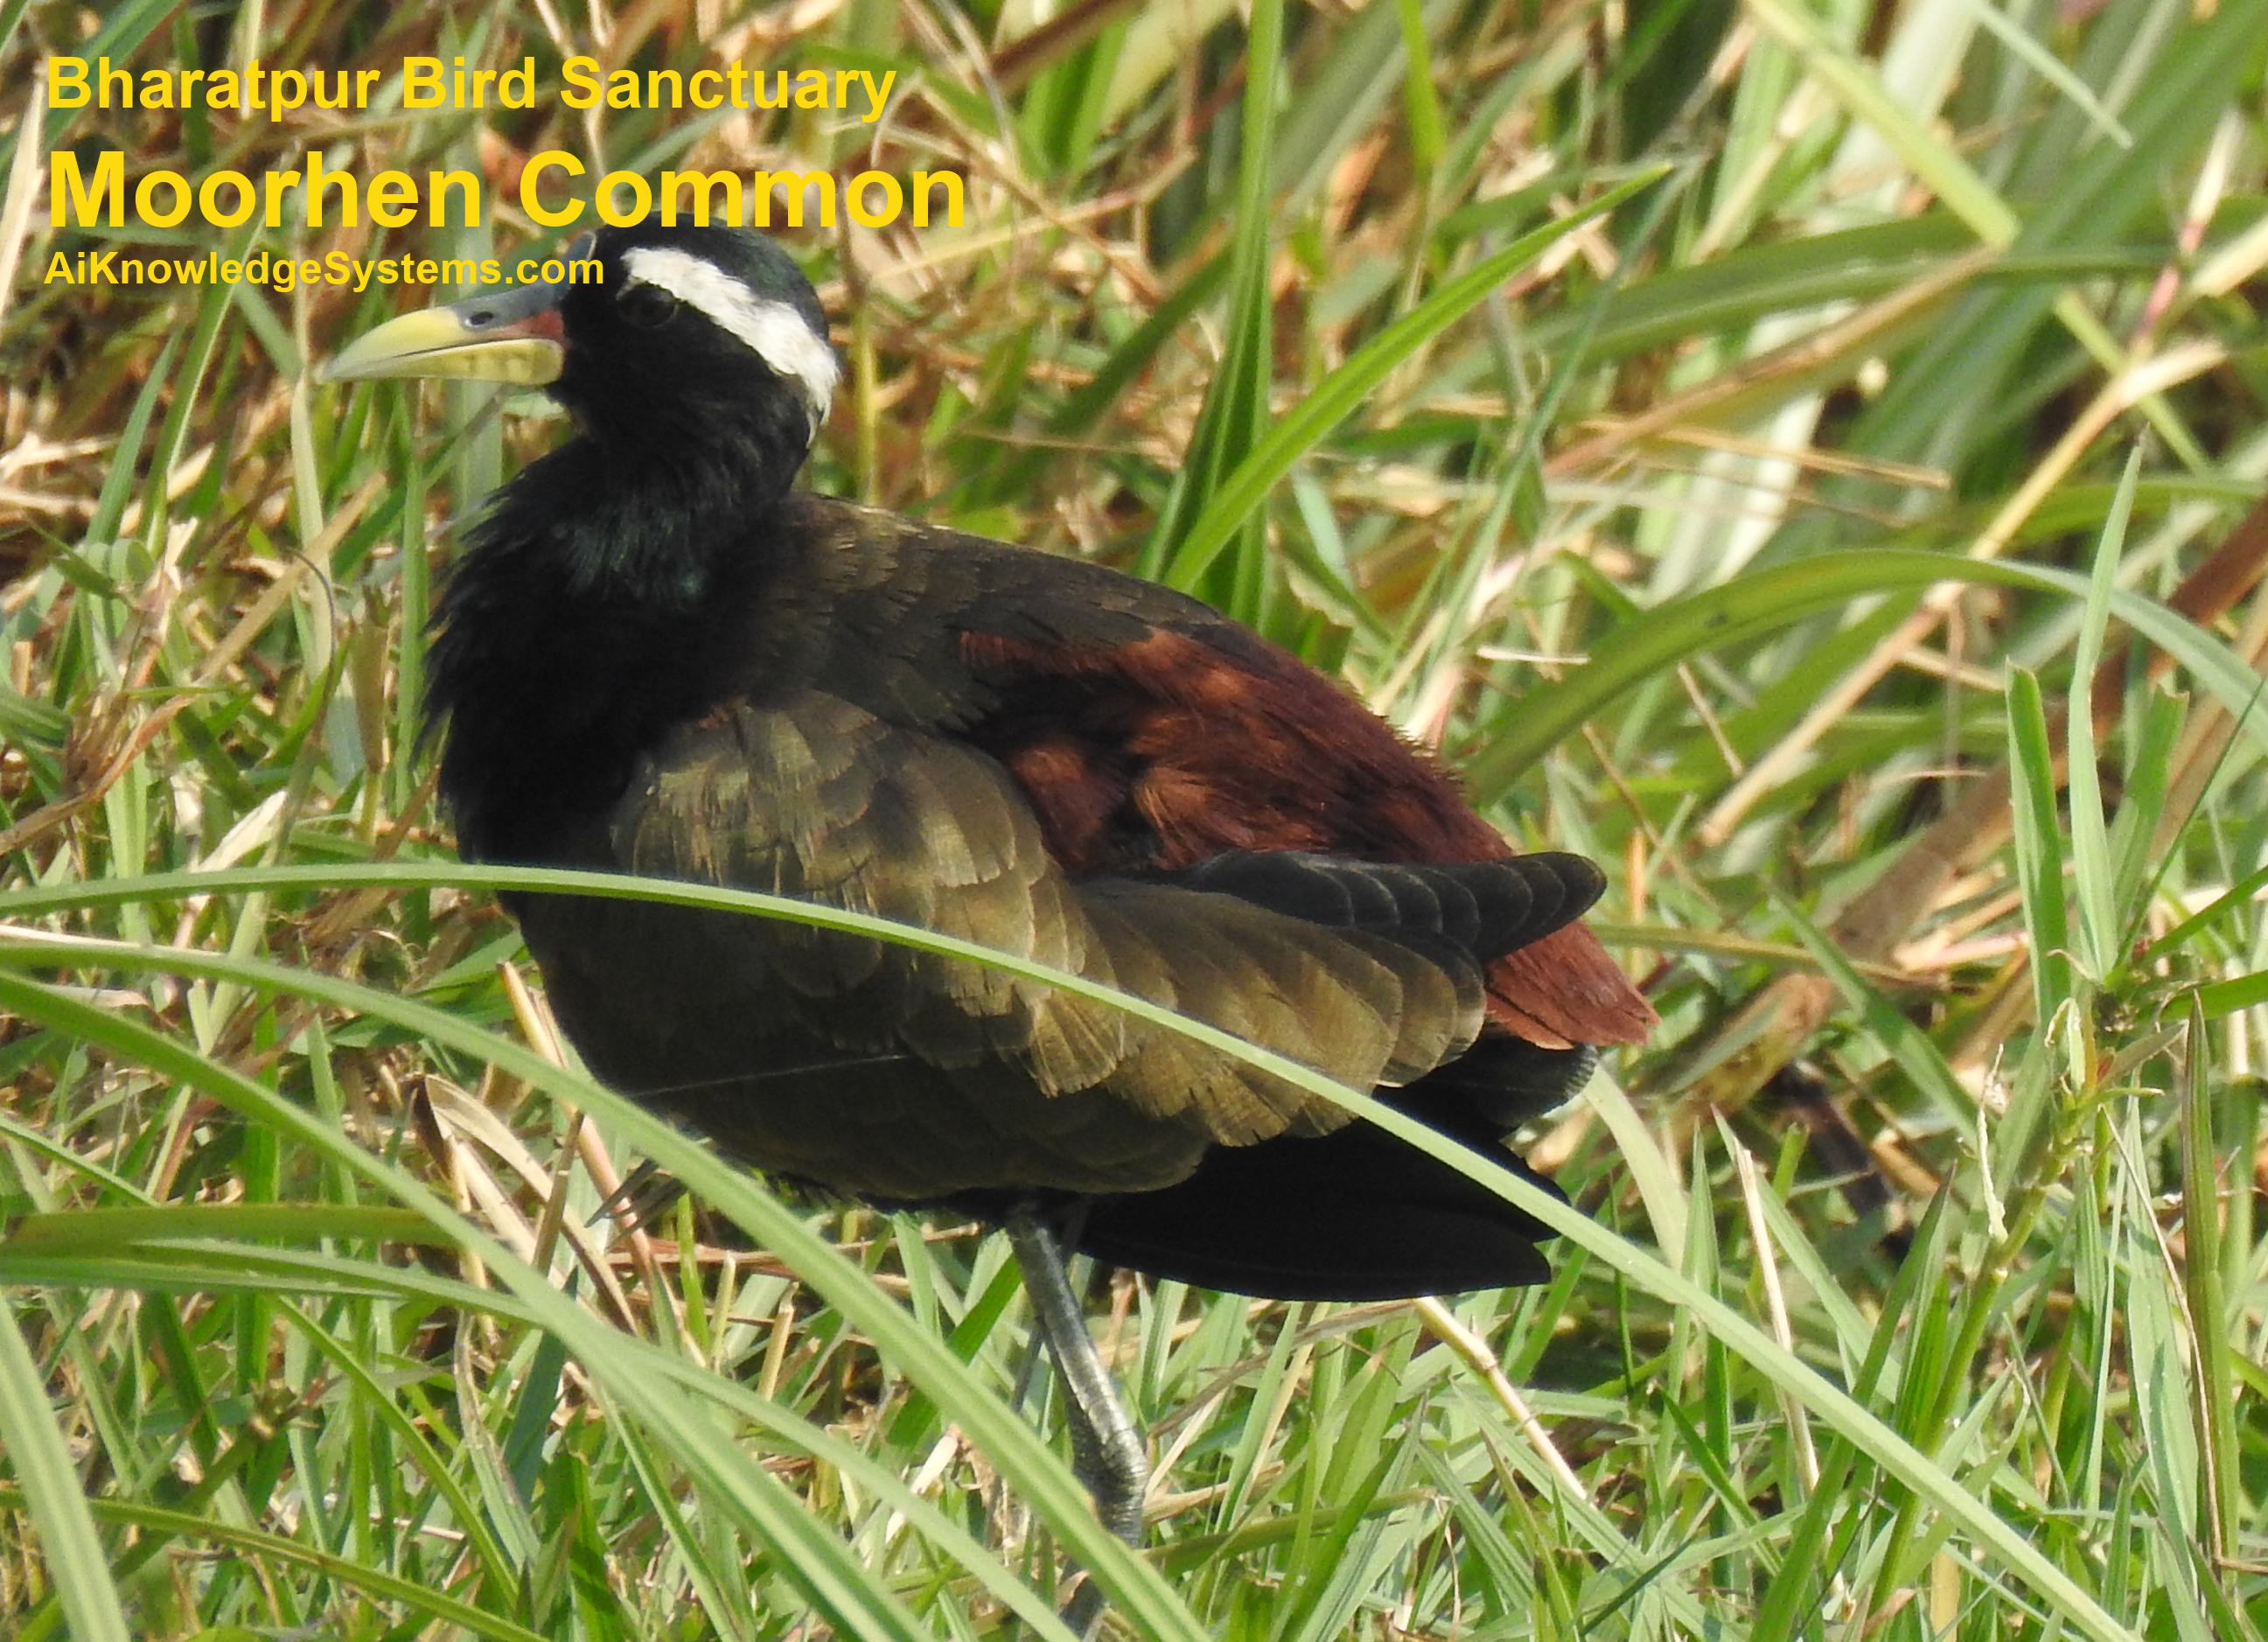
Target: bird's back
x=1086 y=772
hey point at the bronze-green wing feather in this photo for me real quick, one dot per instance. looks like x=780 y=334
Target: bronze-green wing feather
x=899 y=1074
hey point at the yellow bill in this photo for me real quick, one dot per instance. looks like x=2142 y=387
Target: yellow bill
x=503 y=336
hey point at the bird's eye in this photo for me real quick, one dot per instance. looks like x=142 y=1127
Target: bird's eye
x=648 y=307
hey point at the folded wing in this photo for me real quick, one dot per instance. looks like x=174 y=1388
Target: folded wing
x=1370 y=973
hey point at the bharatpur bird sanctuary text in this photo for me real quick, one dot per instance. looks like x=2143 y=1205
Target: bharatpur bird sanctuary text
x=89 y=189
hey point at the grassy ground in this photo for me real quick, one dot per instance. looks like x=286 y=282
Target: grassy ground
x=1760 y=446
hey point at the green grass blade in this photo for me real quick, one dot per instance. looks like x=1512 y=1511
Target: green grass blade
x=1337 y=395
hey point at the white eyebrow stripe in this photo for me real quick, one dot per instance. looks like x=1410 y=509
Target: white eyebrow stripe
x=777 y=331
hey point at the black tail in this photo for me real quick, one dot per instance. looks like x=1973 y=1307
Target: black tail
x=1354 y=1215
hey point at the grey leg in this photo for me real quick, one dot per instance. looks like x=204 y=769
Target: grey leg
x=1107 y=1453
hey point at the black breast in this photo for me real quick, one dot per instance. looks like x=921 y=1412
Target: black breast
x=549 y=679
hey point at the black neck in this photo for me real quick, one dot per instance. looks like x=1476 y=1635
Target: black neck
x=650 y=525
x=588 y=616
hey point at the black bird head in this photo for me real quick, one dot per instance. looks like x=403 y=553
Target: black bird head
x=693 y=346
x=696 y=367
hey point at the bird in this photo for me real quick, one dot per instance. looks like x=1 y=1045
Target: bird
x=656 y=654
